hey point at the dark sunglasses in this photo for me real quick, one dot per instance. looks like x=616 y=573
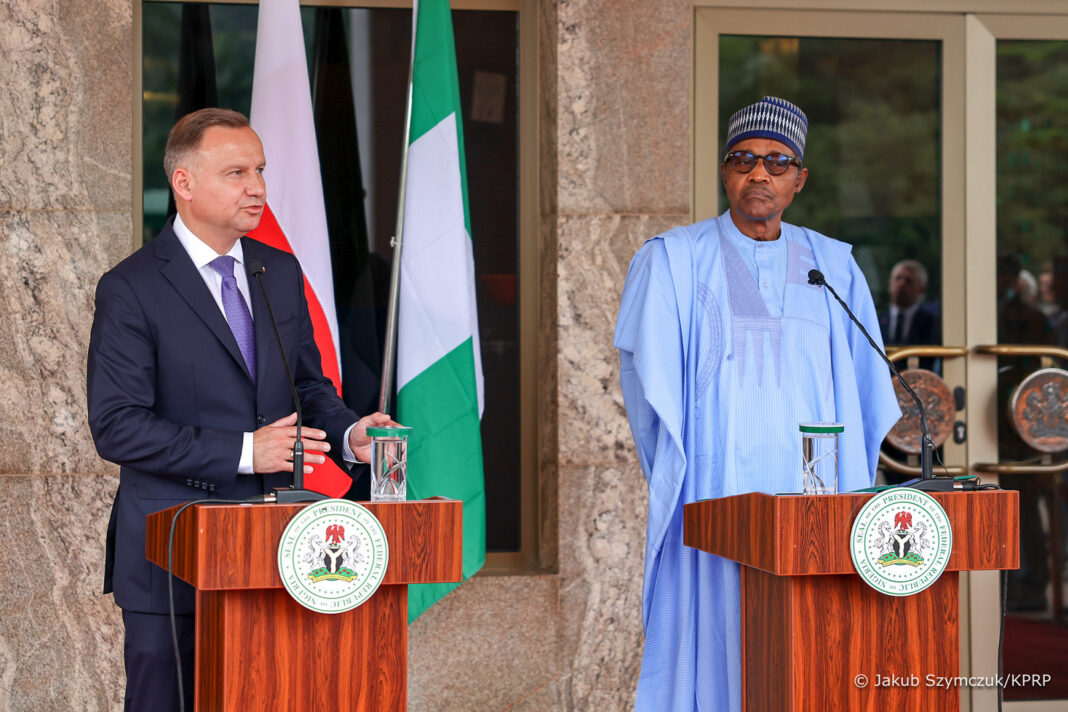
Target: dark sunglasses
x=774 y=163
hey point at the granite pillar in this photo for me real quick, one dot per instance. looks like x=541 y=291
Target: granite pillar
x=623 y=162
x=66 y=107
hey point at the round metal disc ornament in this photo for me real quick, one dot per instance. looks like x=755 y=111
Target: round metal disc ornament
x=1038 y=410
x=937 y=401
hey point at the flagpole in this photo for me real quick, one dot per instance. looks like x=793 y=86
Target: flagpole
x=389 y=354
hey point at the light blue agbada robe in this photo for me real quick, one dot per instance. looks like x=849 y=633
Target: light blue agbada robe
x=724 y=349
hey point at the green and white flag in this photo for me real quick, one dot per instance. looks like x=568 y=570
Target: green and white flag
x=439 y=363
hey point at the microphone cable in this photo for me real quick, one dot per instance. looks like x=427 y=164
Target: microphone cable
x=170 y=581
x=1001 y=631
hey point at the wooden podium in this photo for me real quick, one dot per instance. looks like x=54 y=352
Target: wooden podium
x=810 y=625
x=258 y=649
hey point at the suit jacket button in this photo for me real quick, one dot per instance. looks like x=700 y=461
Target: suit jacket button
x=260 y=420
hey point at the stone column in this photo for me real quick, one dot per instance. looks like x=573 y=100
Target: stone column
x=65 y=217
x=623 y=131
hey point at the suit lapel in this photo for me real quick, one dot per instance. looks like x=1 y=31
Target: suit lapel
x=180 y=271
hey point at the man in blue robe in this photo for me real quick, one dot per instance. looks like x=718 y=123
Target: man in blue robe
x=724 y=349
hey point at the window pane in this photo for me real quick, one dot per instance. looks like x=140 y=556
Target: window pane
x=1032 y=285
x=873 y=151
x=361 y=171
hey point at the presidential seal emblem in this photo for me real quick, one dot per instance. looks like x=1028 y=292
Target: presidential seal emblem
x=901 y=541
x=332 y=556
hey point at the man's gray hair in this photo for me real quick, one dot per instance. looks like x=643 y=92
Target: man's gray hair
x=187 y=134
x=914 y=265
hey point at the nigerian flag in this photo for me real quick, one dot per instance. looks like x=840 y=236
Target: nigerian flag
x=439 y=363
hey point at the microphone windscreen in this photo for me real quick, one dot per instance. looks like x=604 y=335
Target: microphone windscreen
x=255 y=266
x=815 y=277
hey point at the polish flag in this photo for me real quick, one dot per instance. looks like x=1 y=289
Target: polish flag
x=294 y=218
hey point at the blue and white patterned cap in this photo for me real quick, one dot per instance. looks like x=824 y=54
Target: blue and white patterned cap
x=772 y=118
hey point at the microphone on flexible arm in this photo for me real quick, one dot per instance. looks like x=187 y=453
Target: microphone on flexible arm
x=927 y=481
x=296 y=493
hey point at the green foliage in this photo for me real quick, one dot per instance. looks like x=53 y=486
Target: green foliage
x=1032 y=145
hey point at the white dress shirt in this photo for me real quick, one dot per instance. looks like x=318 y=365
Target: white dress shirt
x=202 y=257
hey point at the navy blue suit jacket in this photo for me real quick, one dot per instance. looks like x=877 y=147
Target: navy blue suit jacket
x=924 y=329
x=170 y=396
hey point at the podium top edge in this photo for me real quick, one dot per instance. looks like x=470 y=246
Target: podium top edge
x=208 y=504
x=793 y=496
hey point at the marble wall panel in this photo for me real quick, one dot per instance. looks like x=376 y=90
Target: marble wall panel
x=66 y=104
x=602 y=531
x=60 y=638
x=593 y=255
x=491 y=645
x=52 y=260
x=543 y=699
x=623 y=106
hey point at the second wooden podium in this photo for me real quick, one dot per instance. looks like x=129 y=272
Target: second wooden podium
x=814 y=635
x=258 y=649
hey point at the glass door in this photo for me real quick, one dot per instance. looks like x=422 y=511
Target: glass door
x=1030 y=59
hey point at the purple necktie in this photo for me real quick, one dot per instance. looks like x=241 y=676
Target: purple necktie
x=237 y=312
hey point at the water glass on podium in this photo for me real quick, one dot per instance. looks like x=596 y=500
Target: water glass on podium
x=389 y=463
x=819 y=457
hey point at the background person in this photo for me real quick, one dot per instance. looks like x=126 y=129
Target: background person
x=911 y=319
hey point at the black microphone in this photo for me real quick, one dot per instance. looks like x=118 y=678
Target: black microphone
x=927 y=481
x=296 y=493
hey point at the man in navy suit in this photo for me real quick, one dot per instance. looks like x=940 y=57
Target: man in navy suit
x=910 y=319
x=186 y=388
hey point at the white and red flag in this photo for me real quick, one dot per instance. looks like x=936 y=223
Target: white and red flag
x=294 y=218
